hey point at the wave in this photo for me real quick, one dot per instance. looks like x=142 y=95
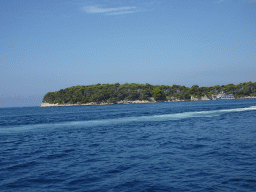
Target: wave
x=124 y=120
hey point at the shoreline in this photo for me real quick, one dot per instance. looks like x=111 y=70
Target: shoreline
x=135 y=102
x=101 y=103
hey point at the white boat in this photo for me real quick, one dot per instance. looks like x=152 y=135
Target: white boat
x=224 y=96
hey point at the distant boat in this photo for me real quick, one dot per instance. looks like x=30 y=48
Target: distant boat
x=224 y=96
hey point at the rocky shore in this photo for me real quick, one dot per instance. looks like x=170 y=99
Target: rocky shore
x=151 y=100
x=247 y=97
x=92 y=103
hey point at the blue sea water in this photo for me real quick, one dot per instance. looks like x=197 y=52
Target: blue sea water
x=183 y=146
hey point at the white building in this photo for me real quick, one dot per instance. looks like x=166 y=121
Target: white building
x=224 y=96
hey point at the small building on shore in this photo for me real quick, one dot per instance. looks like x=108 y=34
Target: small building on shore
x=223 y=96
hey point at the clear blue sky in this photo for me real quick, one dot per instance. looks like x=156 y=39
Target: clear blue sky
x=53 y=44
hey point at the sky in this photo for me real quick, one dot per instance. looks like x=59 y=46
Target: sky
x=50 y=45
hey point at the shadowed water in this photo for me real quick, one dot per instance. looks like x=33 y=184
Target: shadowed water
x=187 y=146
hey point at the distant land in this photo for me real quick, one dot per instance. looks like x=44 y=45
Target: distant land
x=104 y=94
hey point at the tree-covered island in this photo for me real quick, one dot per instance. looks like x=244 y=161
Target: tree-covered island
x=118 y=93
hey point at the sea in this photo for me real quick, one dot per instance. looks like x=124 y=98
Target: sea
x=176 y=146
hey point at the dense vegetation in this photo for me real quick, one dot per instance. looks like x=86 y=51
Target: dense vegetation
x=113 y=93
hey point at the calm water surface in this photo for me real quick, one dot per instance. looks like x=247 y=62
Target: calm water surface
x=186 y=146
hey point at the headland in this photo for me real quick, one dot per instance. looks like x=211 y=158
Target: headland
x=109 y=94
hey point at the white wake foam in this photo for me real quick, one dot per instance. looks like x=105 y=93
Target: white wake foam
x=105 y=122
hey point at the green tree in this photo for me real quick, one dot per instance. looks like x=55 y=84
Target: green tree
x=158 y=94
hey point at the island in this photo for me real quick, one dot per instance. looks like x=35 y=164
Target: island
x=131 y=93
